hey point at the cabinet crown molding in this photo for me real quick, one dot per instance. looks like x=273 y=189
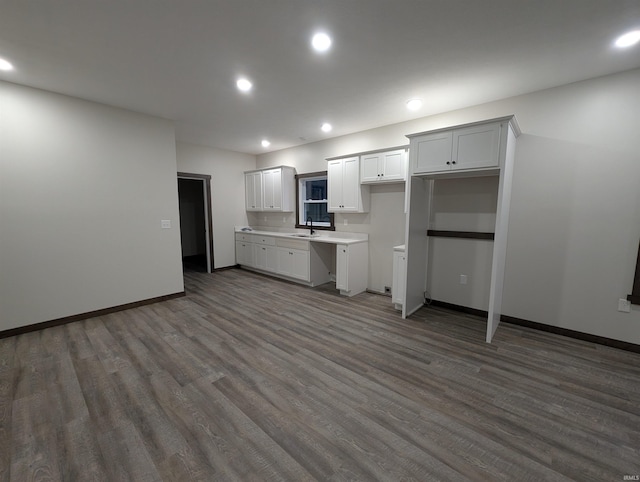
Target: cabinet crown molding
x=364 y=153
x=511 y=119
x=262 y=169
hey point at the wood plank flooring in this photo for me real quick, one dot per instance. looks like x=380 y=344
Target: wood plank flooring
x=249 y=378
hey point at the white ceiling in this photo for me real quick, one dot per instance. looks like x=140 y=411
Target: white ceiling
x=179 y=59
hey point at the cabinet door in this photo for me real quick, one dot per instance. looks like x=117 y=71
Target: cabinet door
x=293 y=263
x=253 y=191
x=334 y=185
x=300 y=264
x=261 y=257
x=433 y=152
x=272 y=259
x=239 y=253
x=369 y=167
x=399 y=278
x=266 y=258
x=245 y=254
x=476 y=147
x=272 y=180
x=394 y=166
x=342 y=267
x=351 y=184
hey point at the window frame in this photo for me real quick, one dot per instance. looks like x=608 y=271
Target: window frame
x=300 y=201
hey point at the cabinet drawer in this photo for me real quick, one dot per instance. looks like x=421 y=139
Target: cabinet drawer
x=267 y=240
x=293 y=243
x=249 y=238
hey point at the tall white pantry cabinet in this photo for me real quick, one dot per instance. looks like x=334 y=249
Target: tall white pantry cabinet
x=484 y=148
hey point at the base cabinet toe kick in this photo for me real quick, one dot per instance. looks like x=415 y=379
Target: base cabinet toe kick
x=312 y=262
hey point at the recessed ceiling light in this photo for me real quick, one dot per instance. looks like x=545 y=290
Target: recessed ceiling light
x=326 y=127
x=5 y=65
x=321 y=42
x=265 y=143
x=414 y=104
x=244 y=85
x=628 y=39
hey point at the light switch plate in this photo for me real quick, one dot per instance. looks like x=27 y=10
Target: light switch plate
x=165 y=224
x=624 y=305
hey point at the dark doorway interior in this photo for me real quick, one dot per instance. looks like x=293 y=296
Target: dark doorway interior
x=192 y=224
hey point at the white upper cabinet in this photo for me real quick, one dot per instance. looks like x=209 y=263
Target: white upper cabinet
x=378 y=167
x=432 y=152
x=466 y=149
x=271 y=189
x=346 y=195
x=253 y=190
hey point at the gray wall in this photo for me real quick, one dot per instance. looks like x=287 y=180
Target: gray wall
x=83 y=188
x=575 y=214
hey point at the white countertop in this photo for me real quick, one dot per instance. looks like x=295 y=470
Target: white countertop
x=321 y=236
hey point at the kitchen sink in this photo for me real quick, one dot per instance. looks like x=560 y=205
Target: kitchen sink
x=301 y=235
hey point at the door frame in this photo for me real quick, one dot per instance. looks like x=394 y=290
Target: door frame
x=208 y=218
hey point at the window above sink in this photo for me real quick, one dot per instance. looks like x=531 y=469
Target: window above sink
x=312 y=201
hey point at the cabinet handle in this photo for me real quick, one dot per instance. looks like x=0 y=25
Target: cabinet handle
x=448 y=163
x=453 y=162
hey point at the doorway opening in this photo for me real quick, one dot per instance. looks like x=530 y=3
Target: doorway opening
x=196 y=233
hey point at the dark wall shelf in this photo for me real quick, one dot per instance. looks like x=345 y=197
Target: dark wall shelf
x=460 y=234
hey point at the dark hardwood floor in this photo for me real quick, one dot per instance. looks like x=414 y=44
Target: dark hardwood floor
x=249 y=378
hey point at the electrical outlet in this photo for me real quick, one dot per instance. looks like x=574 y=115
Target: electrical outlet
x=463 y=279
x=387 y=290
x=165 y=223
x=624 y=305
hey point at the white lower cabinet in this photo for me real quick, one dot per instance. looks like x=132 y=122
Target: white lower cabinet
x=352 y=268
x=293 y=263
x=245 y=253
x=399 y=277
x=266 y=257
x=307 y=262
x=286 y=257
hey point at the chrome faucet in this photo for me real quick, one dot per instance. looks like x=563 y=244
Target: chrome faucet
x=309 y=220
